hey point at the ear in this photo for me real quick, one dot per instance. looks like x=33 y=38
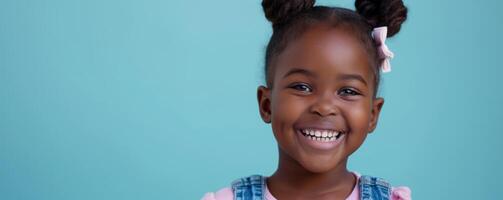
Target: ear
x=264 y=103
x=377 y=104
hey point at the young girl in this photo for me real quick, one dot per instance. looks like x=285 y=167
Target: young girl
x=322 y=69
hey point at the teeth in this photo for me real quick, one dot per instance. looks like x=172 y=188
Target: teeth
x=321 y=135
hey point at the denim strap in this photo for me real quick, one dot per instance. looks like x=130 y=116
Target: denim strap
x=373 y=188
x=252 y=188
x=249 y=188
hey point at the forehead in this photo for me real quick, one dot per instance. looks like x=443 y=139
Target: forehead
x=326 y=51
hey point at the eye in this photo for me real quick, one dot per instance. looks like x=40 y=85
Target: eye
x=301 y=87
x=348 y=92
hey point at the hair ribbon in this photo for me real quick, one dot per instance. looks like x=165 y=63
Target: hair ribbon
x=379 y=36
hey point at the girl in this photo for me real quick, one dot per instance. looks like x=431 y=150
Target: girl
x=322 y=69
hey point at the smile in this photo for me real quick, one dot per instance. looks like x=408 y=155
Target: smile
x=321 y=135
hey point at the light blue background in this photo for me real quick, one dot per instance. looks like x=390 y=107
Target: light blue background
x=157 y=99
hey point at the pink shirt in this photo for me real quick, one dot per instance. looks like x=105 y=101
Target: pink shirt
x=397 y=193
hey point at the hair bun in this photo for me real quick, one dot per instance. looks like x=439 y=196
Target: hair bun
x=390 y=13
x=279 y=11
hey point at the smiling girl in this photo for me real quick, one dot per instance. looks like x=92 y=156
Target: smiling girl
x=322 y=69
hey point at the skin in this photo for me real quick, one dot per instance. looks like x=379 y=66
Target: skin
x=315 y=83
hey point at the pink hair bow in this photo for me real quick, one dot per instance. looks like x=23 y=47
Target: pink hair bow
x=379 y=35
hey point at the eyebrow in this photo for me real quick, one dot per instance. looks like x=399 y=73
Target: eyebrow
x=339 y=77
x=352 y=77
x=299 y=71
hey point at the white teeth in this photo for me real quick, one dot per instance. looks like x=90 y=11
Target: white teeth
x=321 y=135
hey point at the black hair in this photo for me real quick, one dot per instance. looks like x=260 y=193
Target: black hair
x=290 y=18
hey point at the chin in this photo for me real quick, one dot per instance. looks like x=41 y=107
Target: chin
x=319 y=165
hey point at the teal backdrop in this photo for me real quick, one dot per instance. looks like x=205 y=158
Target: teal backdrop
x=108 y=99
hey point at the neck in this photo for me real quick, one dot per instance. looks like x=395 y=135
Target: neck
x=292 y=178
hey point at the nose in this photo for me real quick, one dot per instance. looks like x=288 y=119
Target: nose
x=325 y=105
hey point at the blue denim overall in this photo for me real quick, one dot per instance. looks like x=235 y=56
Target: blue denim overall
x=253 y=188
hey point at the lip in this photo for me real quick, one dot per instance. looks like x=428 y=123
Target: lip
x=319 y=145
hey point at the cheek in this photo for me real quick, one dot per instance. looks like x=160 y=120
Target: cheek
x=286 y=109
x=358 y=118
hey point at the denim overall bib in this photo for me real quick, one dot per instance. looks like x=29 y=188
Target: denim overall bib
x=253 y=188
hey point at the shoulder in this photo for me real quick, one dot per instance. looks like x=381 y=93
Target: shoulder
x=222 y=194
x=249 y=183
x=400 y=193
x=397 y=193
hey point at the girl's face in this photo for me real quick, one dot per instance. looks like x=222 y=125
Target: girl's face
x=321 y=104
